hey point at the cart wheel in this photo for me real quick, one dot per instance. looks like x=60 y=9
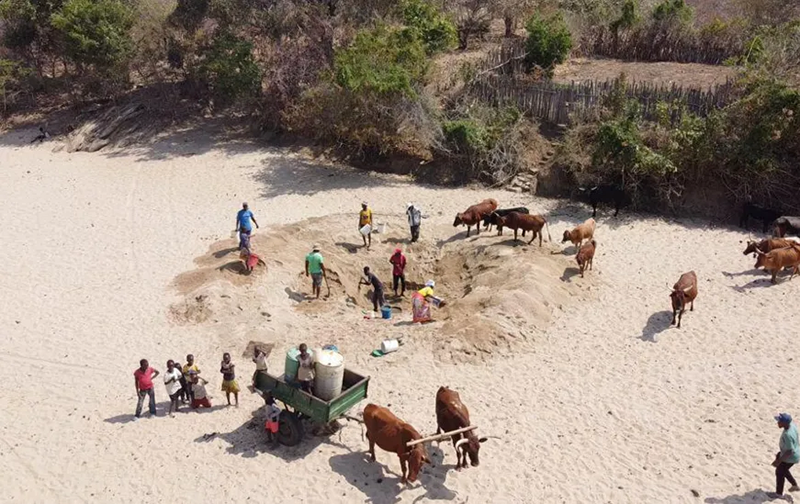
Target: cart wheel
x=290 y=430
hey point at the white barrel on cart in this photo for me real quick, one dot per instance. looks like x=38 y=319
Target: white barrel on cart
x=330 y=374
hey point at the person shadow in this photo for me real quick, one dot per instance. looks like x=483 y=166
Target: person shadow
x=656 y=324
x=756 y=496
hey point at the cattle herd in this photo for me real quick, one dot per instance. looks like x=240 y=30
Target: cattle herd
x=452 y=416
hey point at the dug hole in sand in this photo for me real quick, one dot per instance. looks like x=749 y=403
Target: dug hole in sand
x=497 y=291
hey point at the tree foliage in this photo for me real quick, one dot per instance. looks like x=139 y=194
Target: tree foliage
x=549 y=41
x=95 y=32
x=229 y=68
x=435 y=30
x=382 y=61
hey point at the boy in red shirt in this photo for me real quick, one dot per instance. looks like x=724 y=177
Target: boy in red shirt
x=398 y=261
x=143 y=379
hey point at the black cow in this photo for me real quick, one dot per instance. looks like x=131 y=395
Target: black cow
x=786 y=226
x=766 y=215
x=606 y=194
x=491 y=219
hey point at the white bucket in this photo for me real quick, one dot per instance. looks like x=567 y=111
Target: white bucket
x=380 y=228
x=389 y=345
x=330 y=374
x=365 y=230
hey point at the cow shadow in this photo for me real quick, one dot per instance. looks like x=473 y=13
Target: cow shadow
x=758 y=283
x=570 y=272
x=756 y=496
x=381 y=485
x=742 y=273
x=656 y=324
x=462 y=235
x=350 y=247
x=568 y=251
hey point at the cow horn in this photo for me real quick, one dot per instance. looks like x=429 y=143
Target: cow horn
x=461 y=442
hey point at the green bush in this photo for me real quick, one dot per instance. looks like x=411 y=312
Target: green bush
x=549 y=41
x=437 y=32
x=383 y=61
x=229 y=68
x=466 y=135
x=95 y=32
x=673 y=11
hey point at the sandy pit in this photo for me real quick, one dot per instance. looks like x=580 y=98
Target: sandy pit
x=588 y=393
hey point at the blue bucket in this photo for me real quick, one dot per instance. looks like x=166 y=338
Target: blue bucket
x=386 y=312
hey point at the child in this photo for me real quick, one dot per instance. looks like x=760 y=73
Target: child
x=199 y=396
x=183 y=393
x=229 y=383
x=273 y=414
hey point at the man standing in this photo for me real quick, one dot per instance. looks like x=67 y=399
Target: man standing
x=243 y=225
x=787 y=457
x=315 y=266
x=143 y=379
x=414 y=220
x=364 y=219
x=378 y=299
x=398 y=261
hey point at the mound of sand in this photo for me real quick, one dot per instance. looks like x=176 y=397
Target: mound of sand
x=498 y=291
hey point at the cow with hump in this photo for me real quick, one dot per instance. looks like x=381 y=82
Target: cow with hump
x=392 y=434
x=451 y=414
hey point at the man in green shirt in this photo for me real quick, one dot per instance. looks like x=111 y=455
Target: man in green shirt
x=787 y=457
x=316 y=268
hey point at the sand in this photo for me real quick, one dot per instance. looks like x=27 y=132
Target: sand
x=109 y=257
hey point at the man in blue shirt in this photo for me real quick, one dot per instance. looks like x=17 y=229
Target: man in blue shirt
x=243 y=218
x=788 y=456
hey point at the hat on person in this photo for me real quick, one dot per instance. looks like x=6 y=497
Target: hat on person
x=244 y=204
x=784 y=418
x=364 y=203
x=430 y=283
x=409 y=205
x=397 y=250
x=315 y=248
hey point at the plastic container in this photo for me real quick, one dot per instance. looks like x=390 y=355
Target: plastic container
x=386 y=312
x=292 y=365
x=389 y=345
x=380 y=228
x=365 y=230
x=436 y=301
x=330 y=375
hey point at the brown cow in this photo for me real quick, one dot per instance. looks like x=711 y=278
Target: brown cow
x=581 y=232
x=475 y=214
x=451 y=414
x=585 y=255
x=685 y=291
x=516 y=221
x=765 y=245
x=392 y=434
x=776 y=260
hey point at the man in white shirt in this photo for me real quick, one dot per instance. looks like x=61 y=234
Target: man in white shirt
x=172 y=381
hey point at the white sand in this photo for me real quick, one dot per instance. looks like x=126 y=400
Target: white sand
x=595 y=398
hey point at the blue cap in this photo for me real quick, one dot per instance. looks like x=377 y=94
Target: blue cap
x=784 y=418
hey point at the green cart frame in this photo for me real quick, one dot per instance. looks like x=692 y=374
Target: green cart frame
x=298 y=404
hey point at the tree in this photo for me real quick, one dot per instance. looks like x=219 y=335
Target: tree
x=229 y=68
x=95 y=32
x=549 y=41
x=436 y=31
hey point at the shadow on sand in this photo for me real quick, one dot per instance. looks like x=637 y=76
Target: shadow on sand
x=757 y=496
x=570 y=273
x=656 y=324
x=382 y=486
